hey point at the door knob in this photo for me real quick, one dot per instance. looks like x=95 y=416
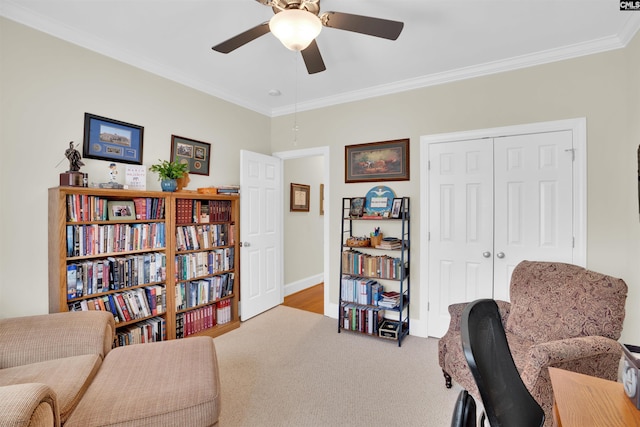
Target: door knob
x=245 y=244
x=500 y=255
x=486 y=254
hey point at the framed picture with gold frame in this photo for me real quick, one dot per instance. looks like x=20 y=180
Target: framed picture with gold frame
x=299 y=200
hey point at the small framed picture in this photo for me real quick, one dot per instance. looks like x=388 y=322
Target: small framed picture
x=396 y=208
x=194 y=153
x=299 y=201
x=119 y=210
x=357 y=207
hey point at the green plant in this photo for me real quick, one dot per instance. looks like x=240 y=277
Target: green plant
x=169 y=170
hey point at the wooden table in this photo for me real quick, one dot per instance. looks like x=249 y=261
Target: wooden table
x=581 y=401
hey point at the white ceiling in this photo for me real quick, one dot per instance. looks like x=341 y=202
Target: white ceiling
x=442 y=41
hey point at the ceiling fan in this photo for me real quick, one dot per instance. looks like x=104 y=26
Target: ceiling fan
x=297 y=23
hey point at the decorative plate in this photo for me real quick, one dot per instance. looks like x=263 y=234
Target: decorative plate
x=379 y=200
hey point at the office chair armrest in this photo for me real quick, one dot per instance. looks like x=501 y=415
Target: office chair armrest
x=592 y=355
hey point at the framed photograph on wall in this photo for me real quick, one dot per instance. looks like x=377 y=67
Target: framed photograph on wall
x=377 y=161
x=299 y=200
x=112 y=140
x=196 y=154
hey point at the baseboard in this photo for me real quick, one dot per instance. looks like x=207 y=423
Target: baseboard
x=297 y=286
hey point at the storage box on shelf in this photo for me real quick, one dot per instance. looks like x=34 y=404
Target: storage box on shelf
x=103 y=257
x=374 y=278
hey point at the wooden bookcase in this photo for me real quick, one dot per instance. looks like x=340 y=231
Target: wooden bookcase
x=121 y=269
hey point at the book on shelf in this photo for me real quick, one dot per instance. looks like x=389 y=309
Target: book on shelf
x=390 y=243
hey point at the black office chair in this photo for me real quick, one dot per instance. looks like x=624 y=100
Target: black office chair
x=506 y=400
x=464 y=413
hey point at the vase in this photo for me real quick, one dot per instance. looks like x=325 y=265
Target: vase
x=169 y=185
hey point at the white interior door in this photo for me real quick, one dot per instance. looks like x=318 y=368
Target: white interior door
x=260 y=234
x=461 y=226
x=533 y=202
x=494 y=202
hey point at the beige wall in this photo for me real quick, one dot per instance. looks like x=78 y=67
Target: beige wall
x=596 y=87
x=303 y=231
x=47 y=85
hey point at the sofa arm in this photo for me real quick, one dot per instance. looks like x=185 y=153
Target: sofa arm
x=455 y=311
x=31 y=405
x=32 y=339
x=591 y=355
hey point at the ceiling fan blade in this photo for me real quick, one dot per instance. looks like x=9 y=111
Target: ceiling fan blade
x=363 y=24
x=243 y=38
x=313 y=59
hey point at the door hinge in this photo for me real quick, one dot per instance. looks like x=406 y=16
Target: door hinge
x=573 y=153
x=428 y=165
x=428 y=236
x=573 y=242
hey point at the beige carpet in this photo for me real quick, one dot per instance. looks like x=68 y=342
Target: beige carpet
x=289 y=367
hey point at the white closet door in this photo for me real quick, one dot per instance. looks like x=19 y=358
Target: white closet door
x=533 y=202
x=460 y=226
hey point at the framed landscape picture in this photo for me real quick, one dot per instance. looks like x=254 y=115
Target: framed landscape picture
x=377 y=161
x=196 y=154
x=112 y=140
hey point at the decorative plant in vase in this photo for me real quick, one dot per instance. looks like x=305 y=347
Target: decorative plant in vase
x=169 y=172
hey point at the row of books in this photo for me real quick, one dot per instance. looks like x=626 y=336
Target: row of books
x=384 y=267
x=84 y=207
x=196 y=237
x=197 y=292
x=149 y=207
x=199 y=264
x=97 y=276
x=360 y=290
x=95 y=239
x=194 y=321
x=150 y=330
x=202 y=211
x=127 y=305
x=360 y=318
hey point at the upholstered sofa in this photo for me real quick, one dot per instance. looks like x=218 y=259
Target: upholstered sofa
x=560 y=315
x=59 y=369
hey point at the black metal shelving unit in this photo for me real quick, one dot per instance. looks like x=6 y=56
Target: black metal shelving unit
x=351 y=308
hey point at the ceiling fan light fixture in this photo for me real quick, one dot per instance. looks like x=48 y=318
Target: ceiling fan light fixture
x=295 y=28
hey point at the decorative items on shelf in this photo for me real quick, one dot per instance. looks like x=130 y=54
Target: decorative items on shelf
x=358 y=242
x=168 y=173
x=73 y=177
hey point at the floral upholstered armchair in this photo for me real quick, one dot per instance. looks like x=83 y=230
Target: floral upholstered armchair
x=560 y=315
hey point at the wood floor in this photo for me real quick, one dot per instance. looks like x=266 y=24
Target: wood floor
x=310 y=299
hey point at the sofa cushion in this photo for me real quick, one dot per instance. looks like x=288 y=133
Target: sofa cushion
x=551 y=301
x=168 y=383
x=68 y=377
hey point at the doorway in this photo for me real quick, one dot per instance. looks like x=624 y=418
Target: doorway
x=322 y=152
